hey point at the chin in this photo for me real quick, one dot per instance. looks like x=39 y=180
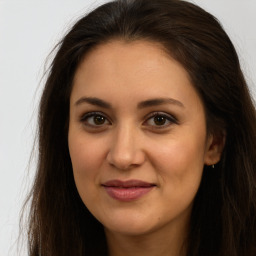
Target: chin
x=128 y=230
x=132 y=224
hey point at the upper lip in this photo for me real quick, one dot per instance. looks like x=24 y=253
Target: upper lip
x=127 y=183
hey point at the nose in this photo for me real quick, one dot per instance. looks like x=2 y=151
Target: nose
x=126 y=150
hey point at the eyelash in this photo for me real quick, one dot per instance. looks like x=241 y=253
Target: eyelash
x=167 y=118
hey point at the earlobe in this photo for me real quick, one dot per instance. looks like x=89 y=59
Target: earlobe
x=214 y=148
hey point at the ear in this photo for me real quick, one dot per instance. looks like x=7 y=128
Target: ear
x=214 y=147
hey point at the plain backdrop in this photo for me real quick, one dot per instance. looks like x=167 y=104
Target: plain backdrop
x=28 y=31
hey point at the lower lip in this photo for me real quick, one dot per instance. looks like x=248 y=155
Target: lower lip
x=127 y=194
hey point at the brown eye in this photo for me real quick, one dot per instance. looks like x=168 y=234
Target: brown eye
x=160 y=120
x=99 y=120
x=94 y=119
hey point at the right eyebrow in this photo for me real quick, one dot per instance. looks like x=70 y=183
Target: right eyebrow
x=93 y=101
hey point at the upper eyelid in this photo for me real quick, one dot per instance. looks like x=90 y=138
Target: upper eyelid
x=161 y=113
x=92 y=113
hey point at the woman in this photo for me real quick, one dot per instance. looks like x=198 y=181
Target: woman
x=146 y=138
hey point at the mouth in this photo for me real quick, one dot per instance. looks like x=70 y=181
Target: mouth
x=129 y=190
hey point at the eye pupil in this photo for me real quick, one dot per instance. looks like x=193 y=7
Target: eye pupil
x=99 y=120
x=159 y=120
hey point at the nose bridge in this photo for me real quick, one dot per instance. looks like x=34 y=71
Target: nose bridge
x=125 y=150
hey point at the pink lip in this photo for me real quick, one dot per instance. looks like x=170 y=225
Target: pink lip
x=127 y=190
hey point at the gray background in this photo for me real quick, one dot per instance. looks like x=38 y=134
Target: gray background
x=28 y=31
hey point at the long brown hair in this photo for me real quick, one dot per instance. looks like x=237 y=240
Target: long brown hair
x=223 y=220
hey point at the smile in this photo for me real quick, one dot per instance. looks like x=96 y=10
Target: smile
x=127 y=191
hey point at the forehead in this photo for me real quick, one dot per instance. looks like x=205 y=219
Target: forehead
x=139 y=69
x=115 y=55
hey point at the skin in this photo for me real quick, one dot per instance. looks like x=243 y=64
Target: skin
x=127 y=143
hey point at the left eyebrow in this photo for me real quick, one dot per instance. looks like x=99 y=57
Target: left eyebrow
x=159 y=101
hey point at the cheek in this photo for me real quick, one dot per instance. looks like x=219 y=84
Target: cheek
x=180 y=153
x=181 y=163
x=86 y=159
x=84 y=154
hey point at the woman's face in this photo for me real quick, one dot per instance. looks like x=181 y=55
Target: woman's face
x=137 y=138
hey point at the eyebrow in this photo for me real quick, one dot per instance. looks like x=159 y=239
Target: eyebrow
x=159 y=101
x=94 y=101
x=144 y=104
